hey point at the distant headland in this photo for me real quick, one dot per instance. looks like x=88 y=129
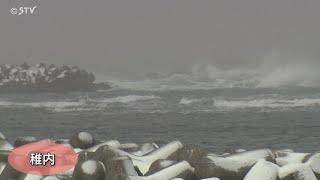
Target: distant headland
x=46 y=78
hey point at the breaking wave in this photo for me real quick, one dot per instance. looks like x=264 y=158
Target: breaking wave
x=295 y=76
x=267 y=103
x=276 y=71
x=85 y=104
x=150 y=104
x=210 y=77
x=186 y=101
x=197 y=102
x=126 y=99
x=61 y=104
x=290 y=76
x=217 y=105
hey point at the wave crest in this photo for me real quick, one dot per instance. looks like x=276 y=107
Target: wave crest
x=276 y=71
x=267 y=103
x=204 y=77
x=126 y=99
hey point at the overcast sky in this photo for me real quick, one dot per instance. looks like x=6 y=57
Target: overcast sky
x=129 y=37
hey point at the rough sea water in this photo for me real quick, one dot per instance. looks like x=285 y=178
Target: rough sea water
x=229 y=111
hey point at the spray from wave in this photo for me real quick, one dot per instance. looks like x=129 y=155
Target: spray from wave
x=290 y=76
x=275 y=71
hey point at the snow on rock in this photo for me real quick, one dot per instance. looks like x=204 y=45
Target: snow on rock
x=112 y=143
x=296 y=172
x=90 y=169
x=24 y=140
x=159 y=165
x=110 y=160
x=67 y=173
x=231 y=167
x=138 y=150
x=4 y=155
x=41 y=77
x=82 y=140
x=9 y=172
x=50 y=178
x=2 y=136
x=263 y=170
x=30 y=177
x=129 y=147
x=284 y=157
x=145 y=149
x=142 y=162
x=190 y=153
x=314 y=162
x=182 y=170
x=2 y=165
x=5 y=145
x=233 y=151
x=119 y=165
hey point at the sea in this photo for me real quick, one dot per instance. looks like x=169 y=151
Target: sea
x=215 y=111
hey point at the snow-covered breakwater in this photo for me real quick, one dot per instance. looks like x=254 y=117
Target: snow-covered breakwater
x=40 y=77
x=112 y=160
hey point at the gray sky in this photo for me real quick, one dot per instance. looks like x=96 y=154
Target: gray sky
x=128 y=37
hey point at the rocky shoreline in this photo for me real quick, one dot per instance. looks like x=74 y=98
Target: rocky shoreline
x=44 y=78
x=112 y=160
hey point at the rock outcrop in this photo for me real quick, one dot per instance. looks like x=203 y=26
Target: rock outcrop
x=40 y=77
x=111 y=160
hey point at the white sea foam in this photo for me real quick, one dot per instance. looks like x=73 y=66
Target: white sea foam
x=198 y=102
x=77 y=109
x=54 y=106
x=186 y=101
x=87 y=105
x=270 y=103
x=126 y=99
x=66 y=104
x=45 y=104
x=155 y=104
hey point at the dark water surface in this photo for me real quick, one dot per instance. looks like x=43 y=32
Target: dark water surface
x=216 y=131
